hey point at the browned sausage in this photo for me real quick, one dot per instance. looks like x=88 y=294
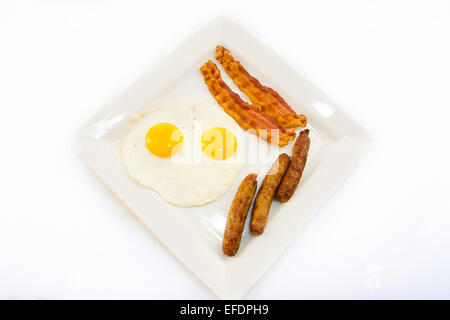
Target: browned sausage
x=294 y=172
x=237 y=215
x=266 y=192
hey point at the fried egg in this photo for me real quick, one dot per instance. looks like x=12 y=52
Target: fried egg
x=188 y=151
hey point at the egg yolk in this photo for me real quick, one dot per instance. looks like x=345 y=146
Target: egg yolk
x=164 y=140
x=218 y=143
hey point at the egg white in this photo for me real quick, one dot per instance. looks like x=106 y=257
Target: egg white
x=188 y=178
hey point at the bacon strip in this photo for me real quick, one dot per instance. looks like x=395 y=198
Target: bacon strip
x=268 y=99
x=248 y=116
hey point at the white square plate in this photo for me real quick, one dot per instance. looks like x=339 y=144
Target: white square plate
x=195 y=234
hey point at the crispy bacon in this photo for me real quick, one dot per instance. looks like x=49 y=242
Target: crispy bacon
x=268 y=99
x=248 y=116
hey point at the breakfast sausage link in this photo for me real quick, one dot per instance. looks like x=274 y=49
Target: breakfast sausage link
x=237 y=215
x=266 y=192
x=294 y=172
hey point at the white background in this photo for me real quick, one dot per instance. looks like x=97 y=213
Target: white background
x=384 y=234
